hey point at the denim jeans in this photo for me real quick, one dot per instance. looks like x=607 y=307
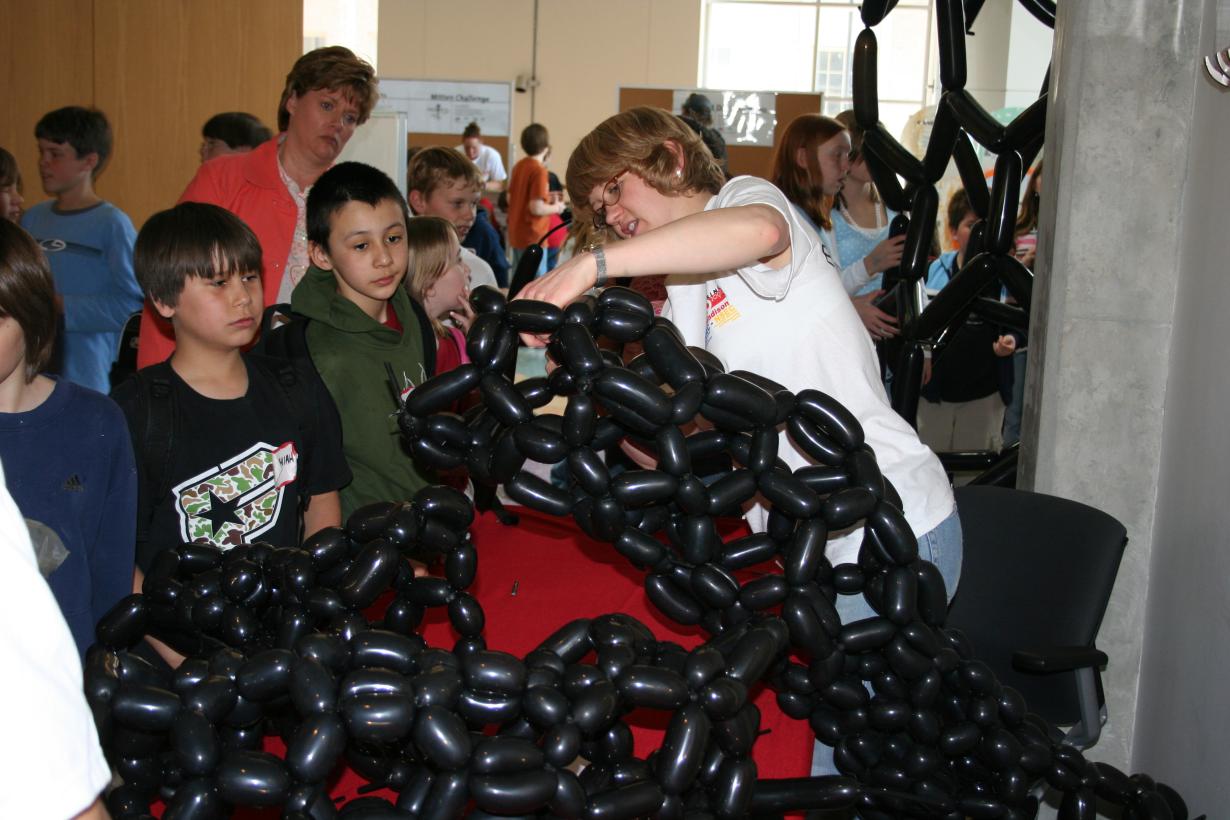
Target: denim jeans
x=942 y=547
x=1012 y=415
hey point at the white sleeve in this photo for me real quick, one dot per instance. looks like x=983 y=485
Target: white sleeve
x=496 y=165
x=480 y=271
x=854 y=276
x=49 y=753
x=763 y=280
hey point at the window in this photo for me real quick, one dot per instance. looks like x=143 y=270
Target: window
x=807 y=45
x=350 y=23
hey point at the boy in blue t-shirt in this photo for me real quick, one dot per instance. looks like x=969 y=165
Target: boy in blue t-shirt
x=88 y=242
x=965 y=386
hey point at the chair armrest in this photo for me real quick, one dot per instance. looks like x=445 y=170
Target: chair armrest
x=1057 y=658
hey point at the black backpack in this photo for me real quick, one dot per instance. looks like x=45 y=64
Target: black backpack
x=156 y=414
x=287 y=339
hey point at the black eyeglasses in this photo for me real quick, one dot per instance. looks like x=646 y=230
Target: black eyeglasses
x=610 y=196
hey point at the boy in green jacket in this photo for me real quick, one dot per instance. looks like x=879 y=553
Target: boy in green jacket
x=361 y=323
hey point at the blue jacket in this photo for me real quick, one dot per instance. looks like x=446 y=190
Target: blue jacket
x=70 y=468
x=484 y=240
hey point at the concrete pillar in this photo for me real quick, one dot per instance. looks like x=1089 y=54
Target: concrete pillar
x=1118 y=139
x=1182 y=718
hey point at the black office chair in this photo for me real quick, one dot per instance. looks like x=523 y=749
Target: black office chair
x=1035 y=580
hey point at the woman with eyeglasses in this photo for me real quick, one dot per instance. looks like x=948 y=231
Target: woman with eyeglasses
x=752 y=284
x=748 y=281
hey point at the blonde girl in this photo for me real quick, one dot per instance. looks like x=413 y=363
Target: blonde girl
x=438 y=280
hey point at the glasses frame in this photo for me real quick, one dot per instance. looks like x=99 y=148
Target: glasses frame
x=609 y=201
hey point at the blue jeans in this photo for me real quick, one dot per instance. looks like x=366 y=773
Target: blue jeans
x=1012 y=416
x=942 y=547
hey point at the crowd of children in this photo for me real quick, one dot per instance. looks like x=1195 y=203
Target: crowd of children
x=972 y=392
x=221 y=442
x=233 y=438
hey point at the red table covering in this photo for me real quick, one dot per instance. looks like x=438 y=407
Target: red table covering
x=560 y=574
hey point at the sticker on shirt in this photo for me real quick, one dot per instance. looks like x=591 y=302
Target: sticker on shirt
x=719 y=311
x=239 y=500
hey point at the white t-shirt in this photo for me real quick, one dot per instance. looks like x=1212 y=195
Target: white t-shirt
x=798 y=327
x=480 y=271
x=489 y=163
x=50 y=757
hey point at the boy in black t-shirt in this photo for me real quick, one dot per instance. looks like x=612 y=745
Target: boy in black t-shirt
x=231 y=447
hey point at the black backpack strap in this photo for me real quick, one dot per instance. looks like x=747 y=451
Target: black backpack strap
x=285 y=340
x=301 y=406
x=156 y=414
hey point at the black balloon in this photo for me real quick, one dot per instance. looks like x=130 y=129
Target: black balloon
x=281 y=640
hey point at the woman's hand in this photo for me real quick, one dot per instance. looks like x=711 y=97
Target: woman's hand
x=885 y=255
x=560 y=287
x=879 y=324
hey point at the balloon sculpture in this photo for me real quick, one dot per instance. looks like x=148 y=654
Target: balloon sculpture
x=959 y=117
x=277 y=642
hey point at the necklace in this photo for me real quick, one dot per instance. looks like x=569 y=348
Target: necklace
x=841 y=206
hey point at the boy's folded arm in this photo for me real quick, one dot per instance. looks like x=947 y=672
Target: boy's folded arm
x=107 y=310
x=172 y=658
x=99 y=312
x=540 y=207
x=323 y=510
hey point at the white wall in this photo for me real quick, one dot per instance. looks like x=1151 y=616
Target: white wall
x=1029 y=53
x=1184 y=716
x=586 y=50
x=986 y=53
x=1007 y=56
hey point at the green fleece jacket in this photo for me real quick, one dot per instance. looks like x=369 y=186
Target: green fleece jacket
x=350 y=351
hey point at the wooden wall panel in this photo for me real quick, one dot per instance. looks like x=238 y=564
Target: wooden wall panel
x=162 y=67
x=46 y=61
x=653 y=97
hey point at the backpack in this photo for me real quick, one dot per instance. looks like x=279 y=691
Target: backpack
x=156 y=414
x=288 y=339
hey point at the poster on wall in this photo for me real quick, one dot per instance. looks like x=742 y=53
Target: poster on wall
x=448 y=106
x=742 y=117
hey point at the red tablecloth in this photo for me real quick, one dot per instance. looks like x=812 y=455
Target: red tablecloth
x=560 y=575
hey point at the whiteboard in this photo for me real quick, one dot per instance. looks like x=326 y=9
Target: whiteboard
x=448 y=106
x=381 y=142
